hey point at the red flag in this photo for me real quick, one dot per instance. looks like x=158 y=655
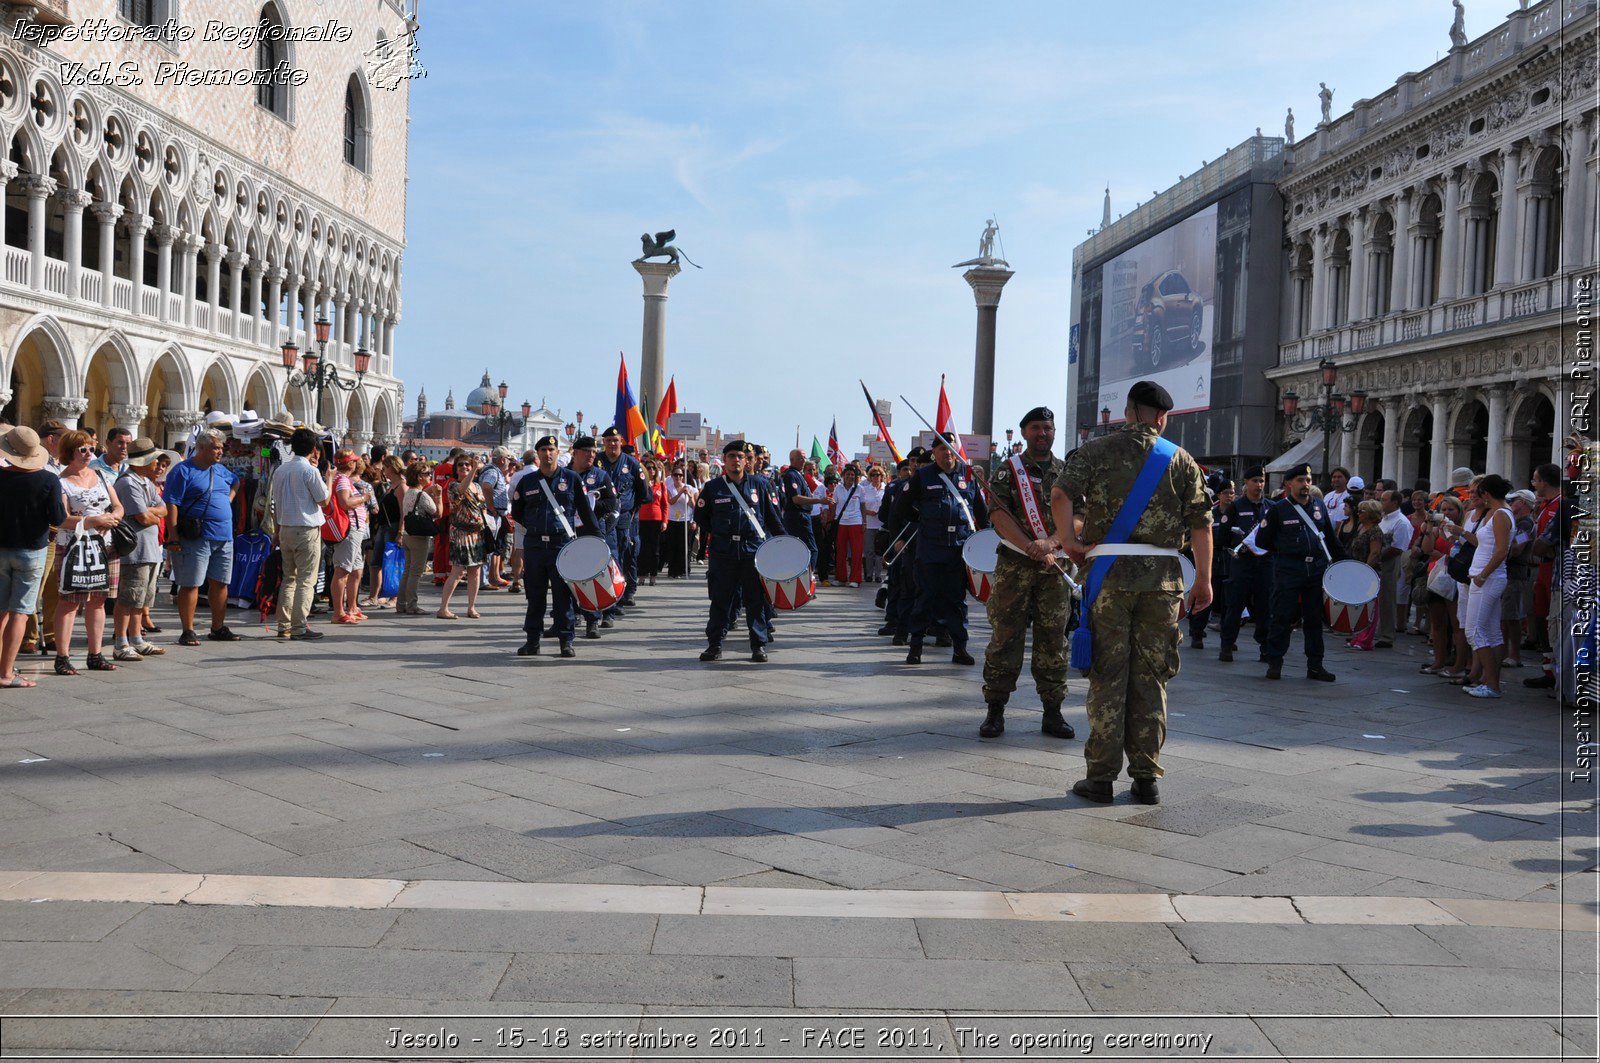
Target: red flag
x=668 y=407
x=944 y=423
x=835 y=455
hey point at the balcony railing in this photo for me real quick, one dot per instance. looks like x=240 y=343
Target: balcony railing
x=121 y=295
x=17 y=261
x=202 y=316
x=150 y=302
x=55 y=276
x=1489 y=308
x=89 y=286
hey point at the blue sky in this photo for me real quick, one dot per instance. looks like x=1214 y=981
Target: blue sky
x=826 y=163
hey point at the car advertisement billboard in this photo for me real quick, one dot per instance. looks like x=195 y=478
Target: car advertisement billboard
x=1158 y=318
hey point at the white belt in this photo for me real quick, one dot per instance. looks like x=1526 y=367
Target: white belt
x=1132 y=550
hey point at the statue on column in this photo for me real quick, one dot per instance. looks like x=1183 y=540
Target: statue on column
x=1458 y=28
x=660 y=247
x=1325 y=95
x=986 y=258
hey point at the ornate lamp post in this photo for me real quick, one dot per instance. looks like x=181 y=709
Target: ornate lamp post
x=580 y=422
x=318 y=374
x=498 y=419
x=1326 y=418
x=570 y=431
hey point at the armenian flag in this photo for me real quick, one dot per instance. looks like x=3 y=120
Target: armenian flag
x=627 y=419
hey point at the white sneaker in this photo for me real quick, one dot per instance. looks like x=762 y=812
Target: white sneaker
x=128 y=654
x=855 y=584
x=1483 y=692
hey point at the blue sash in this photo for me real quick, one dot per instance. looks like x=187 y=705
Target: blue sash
x=1127 y=519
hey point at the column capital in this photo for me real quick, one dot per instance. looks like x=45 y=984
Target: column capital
x=73 y=200
x=986 y=282
x=137 y=224
x=164 y=234
x=656 y=276
x=254 y=267
x=39 y=187
x=215 y=252
x=128 y=415
x=236 y=259
x=276 y=275
x=63 y=407
x=176 y=420
x=362 y=440
x=8 y=170
x=106 y=212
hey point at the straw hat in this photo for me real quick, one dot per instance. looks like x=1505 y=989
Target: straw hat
x=21 y=447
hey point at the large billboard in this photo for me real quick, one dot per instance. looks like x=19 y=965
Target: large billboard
x=1158 y=315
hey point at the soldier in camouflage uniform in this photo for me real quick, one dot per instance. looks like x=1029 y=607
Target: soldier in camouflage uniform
x=1134 y=619
x=1028 y=587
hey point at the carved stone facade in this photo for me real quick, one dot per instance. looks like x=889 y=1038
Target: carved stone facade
x=1436 y=238
x=162 y=240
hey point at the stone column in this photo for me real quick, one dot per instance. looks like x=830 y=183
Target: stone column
x=1355 y=306
x=236 y=261
x=138 y=225
x=73 y=200
x=307 y=315
x=1450 y=237
x=1319 y=282
x=653 y=345
x=63 y=408
x=191 y=265
x=1494 y=451
x=275 y=278
x=214 y=254
x=986 y=282
x=177 y=423
x=1505 y=240
x=39 y=190
x=1575 y=196
x=1400 y=274
x=253 y=269
x=8 y=171
x=129 y=416
x=107 y=214
x=1439 y=465
x=1390 y=470
x=163 y=236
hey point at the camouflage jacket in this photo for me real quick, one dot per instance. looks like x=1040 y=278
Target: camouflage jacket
x=1005 y=493
x=1099 y=475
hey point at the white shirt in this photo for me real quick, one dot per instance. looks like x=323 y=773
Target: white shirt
x=872 y=498
x=848 y=516
x=683 y=509
x=1397 y=526
x=298 y=494
x=1334 y=502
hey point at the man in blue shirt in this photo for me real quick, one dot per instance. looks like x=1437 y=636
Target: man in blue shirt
x=113 y=462
x=497 y=493
x=202 y=489
x=547 y=528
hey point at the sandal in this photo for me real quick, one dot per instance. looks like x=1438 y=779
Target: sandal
x=98 y=663
x=473 y=614
x=64 y=665
x=442 y=615
x=18 y=680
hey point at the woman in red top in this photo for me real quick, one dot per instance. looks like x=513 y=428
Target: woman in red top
x=652 y=520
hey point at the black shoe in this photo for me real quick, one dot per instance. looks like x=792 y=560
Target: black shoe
x=942 y=640
x=628 y=603
x=549 y=632
x=1540 y=682
x=606 y=622
x=1383 y=645
x=222 y=634
x=567 y=650
x=188 y=638
x=711 y=653
x=1198 y=644
x=758 y=654
x=887 y=629
x=1262 y=656
x=1275 y=668
x=961 y=656
x=1098 y=792
x=529 y=648
x=900 y=639
x=915 y=656
x=1319 y=673
x=994 y=724
x=1226 y=656
x=1146 y=792
x=591 y=631
x=308 y=635
x=1054 y=725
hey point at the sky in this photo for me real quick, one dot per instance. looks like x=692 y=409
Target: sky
x=826 y=163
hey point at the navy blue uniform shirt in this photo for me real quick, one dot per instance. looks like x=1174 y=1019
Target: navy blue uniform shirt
x=531 y=509
x=719 y=515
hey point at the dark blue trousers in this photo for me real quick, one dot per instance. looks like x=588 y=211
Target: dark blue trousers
x=1250 y=587
x=1296 y=595
x=732 y=581
x=941 y=601
x=539 y=580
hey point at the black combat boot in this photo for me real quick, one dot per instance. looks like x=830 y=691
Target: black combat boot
x=758 y=654
x=1197 y=643
x=711 y=653
x=942 y=639
x=994 y=724
x=1146 y=792
x=567 y=650
x=592 y=630
x=1319 y=673
x=1275 y=668
x=915 y=655
x=961 y=656
x=1226 y=656
x=529 y=648
x=887 y=629
x=1098 y=792
x=900 y=639
x=1055 y=725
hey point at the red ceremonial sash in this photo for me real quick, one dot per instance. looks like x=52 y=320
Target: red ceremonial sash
x=1030 y=499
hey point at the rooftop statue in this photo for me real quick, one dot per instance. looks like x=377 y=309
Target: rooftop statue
x=660 y=247
x=986 y=257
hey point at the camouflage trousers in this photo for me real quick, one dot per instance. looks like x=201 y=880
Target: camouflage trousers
x=1135 y=653
x=1025 y=593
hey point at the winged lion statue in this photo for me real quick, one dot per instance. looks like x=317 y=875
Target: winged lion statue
x=660 y=246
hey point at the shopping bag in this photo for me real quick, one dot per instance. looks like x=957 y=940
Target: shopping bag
x=394 y=565
x=83 y=565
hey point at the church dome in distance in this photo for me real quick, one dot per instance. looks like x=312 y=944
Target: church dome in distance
x=484 y=392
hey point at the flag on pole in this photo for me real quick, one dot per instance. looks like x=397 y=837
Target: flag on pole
x=627 y=419
x=883 y=429
x=819 y=456
x=835 y=455
x=944 y=423
x=668 y=407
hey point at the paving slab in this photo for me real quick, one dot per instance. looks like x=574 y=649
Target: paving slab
x=63 y=920
x=298 y=970
x=697 y=980
x=146 y=1024
x=86 y=965
x=493 y=931
x=1226 y=988
x=1494 y=946
x=790 y=936
x=1261 y=943
x=944 y=984
x=1050 y=941
x=1457 y=1037
x=234 y=925
x=1469 y=990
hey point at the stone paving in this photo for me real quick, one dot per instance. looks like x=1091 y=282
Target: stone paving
x=420 y=750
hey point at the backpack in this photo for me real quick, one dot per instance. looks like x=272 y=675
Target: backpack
x=336 y=526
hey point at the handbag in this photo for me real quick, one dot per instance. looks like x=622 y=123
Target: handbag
x=394 y=566
x=336 y=522
x=83 y=565
x=124 y=537
x=1439 y=581
x=418 y=524
x=1458 y=562
x=195 y=527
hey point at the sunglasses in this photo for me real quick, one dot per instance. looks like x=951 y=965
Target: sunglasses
x=86 y=450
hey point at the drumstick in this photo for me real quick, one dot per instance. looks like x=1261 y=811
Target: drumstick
x=1055 y=559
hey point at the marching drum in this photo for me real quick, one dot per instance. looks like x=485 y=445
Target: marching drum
x=979 y=553
x=784 y=564
x=588 y=569
x=1186 y=568
x=1349 y=596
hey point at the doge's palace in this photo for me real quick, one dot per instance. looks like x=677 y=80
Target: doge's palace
x=188 y=188
x=1438 y=236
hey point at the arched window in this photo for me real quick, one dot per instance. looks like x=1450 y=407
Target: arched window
x=271 y=50
x=357 y=126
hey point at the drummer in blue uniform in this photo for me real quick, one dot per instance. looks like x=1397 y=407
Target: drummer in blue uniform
x=1298 y=536
x=944 y=503
x=602 y=496
x=739 y=512
x=1250 y=579
x=627 y=476
x=551 y=506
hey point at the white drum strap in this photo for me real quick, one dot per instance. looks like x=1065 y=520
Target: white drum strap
x=960 y=500
x=1030 y=499
x=1131 y=550
x=733 y=489
x=1314 y=530
x=544 y=485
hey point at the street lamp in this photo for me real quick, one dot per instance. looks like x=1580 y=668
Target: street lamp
x=1328 y=417
x=571 y=430
x=499 y=419
x=317 y=374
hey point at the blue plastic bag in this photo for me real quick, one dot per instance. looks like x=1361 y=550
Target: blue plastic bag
x=394 y=565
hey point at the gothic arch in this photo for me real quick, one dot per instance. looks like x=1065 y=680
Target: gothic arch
x=54 y=350
x=219 y=386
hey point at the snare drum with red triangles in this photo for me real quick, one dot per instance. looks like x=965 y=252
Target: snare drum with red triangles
x=592 y=574
x=979 y=554
x=784 y=564
x=1349 y=596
